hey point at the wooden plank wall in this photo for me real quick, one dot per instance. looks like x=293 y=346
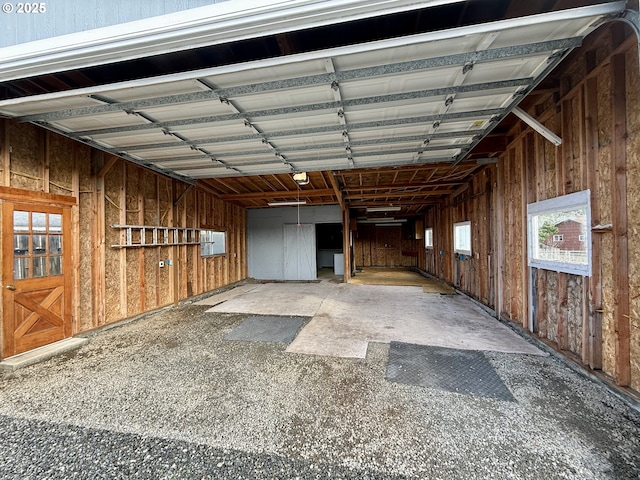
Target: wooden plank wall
x=407 y=254
x=595 y=108
x=111 y=284
x=471 y=274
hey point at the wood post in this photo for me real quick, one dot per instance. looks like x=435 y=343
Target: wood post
x=177 y=258
x=620 y=221
x=141 y=251
x=563 y=321
x=526 y=160
x=44 y=138
x=75 y=235
x=5 y=153
x=122 y=205
x=346 y=243
x=98 y=256
x=592 y=335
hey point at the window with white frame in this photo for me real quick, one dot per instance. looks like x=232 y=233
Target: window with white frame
x=559 y=234
x=212 y=242
x=428 y=238
x=462 y=238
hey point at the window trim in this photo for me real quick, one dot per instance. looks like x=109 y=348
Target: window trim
x=573 y=201
x=428 y=238
x=461 y=251
x=204 y=230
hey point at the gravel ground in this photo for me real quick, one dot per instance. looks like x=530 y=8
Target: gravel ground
x=167 y=397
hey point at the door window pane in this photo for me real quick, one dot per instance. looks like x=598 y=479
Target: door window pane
x=39 y=245
x=55 y=266
x=39 y=222
x=55 y=244
x=20 y=268
x=55 y=223
x=39 y=267
x=20 y=221
x=21 y=244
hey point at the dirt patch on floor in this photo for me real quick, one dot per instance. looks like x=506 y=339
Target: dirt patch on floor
x=400 y=277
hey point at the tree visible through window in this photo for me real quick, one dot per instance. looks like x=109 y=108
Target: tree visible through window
x=559 y=233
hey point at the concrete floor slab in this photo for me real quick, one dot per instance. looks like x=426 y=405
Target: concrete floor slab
x=346 y=317
x=404 y=314
x=288 y=299
x=227 y=295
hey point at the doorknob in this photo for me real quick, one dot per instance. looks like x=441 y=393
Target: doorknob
x=11 y=287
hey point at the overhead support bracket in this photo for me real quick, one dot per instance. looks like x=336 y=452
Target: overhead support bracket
x=632 y=19
x=537 y=126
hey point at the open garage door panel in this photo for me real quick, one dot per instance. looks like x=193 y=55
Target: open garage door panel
x=419 y=99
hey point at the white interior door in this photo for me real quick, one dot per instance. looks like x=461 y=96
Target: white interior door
x=300 y=252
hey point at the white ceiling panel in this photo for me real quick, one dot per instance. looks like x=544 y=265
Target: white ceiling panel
x=302 y=68
x=406 y=53
x=161 y=152
x=408 y=82
x=149 y=137
x=212 y=130
x=536 y=32
x=181 y=164
x=155 y=91
x=181 y=111
x=289 y=97
x=50 y=105
x=297 y=120
x=109 y=120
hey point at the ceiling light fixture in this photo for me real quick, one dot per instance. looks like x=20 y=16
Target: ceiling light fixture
x=287 y=204
x=383 y=209
x=385 y=220
x=301 y=178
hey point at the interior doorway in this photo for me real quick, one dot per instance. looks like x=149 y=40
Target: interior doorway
x=329 y=240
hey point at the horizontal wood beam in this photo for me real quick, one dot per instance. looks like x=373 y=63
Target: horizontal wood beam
x=400 y=186
x=380 y=203
x=30 y=196
x=207 y=187
x=382 y=195
x=325 y=192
